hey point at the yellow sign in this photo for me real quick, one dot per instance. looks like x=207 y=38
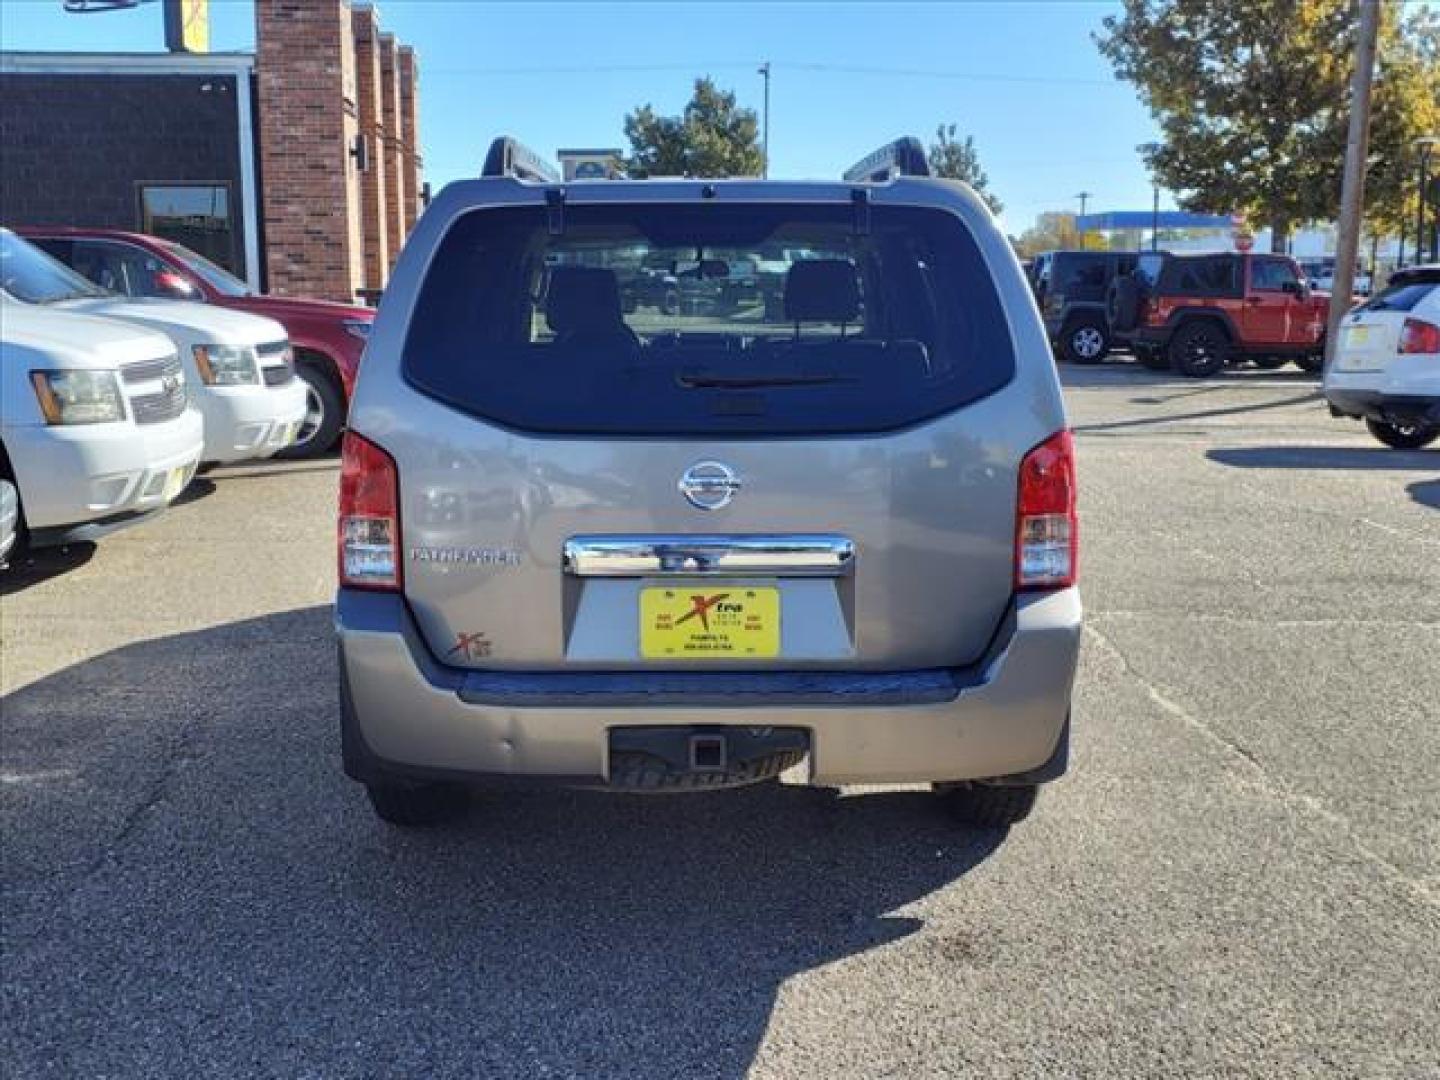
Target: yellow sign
x=706 y=621
x=187 y=25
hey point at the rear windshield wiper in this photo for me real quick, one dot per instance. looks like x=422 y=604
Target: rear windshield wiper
x=753 y=382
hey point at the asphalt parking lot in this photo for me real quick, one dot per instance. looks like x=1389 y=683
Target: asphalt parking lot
x=1241 y=875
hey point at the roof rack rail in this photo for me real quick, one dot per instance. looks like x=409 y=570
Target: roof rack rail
x=510 y=157
x=903 y=157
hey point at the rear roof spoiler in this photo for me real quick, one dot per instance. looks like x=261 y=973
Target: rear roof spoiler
x=903 y=157
x=510 y=157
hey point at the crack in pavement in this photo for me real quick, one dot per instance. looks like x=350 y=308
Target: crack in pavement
x=1269 y=782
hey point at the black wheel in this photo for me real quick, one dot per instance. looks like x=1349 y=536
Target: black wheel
x=1311 y=362
x=1153 y=359
x=989 y=806
x=1270 y=363
x=1404 y=436
x=416 y=805
x=1199 y=349
x=1085 y=340
x=324 y=412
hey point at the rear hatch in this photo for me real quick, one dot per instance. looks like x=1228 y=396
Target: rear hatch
x=592 y=479
x=1370 y=335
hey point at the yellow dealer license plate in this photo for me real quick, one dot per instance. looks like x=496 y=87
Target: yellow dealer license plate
x=702 y=622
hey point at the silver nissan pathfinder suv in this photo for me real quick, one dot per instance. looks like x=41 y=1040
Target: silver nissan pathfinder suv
x=612 y=513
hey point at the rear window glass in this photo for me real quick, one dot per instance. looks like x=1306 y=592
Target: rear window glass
x=1403 y=297
x=708 y=320
x=1075 y=274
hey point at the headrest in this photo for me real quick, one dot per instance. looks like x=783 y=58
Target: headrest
x=822 y=290
x=583 y=299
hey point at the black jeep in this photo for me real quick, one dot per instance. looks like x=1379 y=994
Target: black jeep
x=1071 y=287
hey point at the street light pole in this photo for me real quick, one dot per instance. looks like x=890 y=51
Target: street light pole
x=1426 y=146
x=1155 y=221
x=1084 y=198
x=764 y=72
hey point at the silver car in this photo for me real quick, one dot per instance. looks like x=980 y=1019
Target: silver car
x=591 y=537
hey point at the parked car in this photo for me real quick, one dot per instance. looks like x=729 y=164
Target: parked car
x=842 y=540
x=1387 y=362
x=1320 y=273
x=239 y=366
x=327 y=338
x=9 y=520
x=1071 y=288
x=95 y=430
x=1196 y=313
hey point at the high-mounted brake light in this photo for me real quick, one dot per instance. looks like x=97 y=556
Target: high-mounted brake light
x=1046 y=523
x=1419 y=336
x=369 y=526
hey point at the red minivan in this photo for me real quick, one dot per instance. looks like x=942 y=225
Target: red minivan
x=328 y=338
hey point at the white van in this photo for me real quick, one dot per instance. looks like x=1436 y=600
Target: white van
x=95 y=430
x=240 y=368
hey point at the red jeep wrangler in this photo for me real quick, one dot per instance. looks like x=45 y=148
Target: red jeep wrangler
x=1194 y=314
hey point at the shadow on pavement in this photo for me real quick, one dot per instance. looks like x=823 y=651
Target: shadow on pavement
x=1199 y=414
x=254 y=470
x=34 y=567
x=192 y=886
x=1323 y=457
x=1426 y=493
x=198 y=488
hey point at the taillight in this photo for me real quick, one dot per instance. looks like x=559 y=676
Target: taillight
x=369 y=527
x=1047 y=526
x=1419 y=336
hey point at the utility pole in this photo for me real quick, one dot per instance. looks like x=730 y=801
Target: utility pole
x=1425 y=146
x=1084 y=198
x=1352 y=194
x=1155 y=221
x=765 y=137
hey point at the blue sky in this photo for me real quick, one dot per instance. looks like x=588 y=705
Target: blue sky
x=1024 y=78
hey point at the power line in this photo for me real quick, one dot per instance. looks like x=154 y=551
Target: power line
x=736 y=65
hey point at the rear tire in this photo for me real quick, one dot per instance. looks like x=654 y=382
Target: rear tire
x=1199 y=349
x=324 y=413
x=1314 y=363
x=1404 y=436
x=989 y=806
x=1085 y=341
x=416 y=805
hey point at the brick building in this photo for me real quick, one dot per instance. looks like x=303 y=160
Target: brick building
x=297 y=167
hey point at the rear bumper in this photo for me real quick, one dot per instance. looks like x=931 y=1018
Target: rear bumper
x=1378 y=405
x=404 y=714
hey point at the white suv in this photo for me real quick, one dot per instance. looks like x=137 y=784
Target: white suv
x=1387 y=361
x=240 y=368
x=95 y=431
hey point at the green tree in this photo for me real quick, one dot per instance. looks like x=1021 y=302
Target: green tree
x=1053 y=230
x=957 y=160
x=712 y=137
x=1251 y=99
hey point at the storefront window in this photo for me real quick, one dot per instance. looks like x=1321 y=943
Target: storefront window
x=196 y=216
